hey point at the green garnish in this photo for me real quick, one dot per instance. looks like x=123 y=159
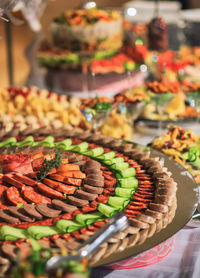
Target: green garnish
x=105 y=106
x=48 y=165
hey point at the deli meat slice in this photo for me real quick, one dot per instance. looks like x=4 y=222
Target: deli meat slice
x=24 y=179
x=77 y=202
x=30 y=210
x=72 y=181
x=93 y=189
x=63 y=206
x=32 y=196
x=8 y=178
x=47 y=211
x=86 y=195
x=8 y=218
x=20 y=163
x=3 y=203
x=13 y=196
x=67 y=189
x=73 y=174
x=94 y=182
x=48 y=191
x=20 y=213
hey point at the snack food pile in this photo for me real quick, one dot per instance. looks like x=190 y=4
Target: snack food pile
x=183 y=146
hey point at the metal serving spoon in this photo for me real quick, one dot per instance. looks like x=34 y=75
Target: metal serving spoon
x=197 y=212
x=116 y=224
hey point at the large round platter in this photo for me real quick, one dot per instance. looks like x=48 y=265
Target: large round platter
x=187 y=199
x=157 y=184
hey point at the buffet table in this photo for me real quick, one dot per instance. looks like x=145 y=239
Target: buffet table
x=183 y=261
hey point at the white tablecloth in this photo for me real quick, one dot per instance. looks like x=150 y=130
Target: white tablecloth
x=182 y=262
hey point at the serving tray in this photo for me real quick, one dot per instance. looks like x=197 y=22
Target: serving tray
x=187 y=199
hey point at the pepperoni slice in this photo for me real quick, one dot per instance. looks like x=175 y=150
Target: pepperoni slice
x=48 y=191
x=32 y=196
x=13 y=195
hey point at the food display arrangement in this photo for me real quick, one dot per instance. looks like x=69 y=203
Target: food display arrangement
x=66 y=167
x=92 y=36
x=183 y=146
x=58 y=191
x=24 y=110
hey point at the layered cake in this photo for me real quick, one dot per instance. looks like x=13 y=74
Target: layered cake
x=88 y=30
x=93 y=37
x=57 y=192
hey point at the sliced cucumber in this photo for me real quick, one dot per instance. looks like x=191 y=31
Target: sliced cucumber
x=11 y=233
x=8 y=142
x=35 y=244
x=120 y=166
x=107 y=156
x=38 y=232
x=106 y=210
x=126 y=173
x=47 y=142
x=95 y=152
x=131 y=182
x=118 y=203
x=64 y=145
x=124 y=192
x=28 y=141
x=68 y=226
x=114 y=160
x=88 y=219
x=80 y=148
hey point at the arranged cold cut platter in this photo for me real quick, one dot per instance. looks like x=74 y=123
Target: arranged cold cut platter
x=57 y=192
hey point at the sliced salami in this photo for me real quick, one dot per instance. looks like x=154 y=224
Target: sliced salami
x=13 y=196
x=32 y=196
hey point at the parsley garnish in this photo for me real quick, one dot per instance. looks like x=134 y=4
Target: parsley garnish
x=48 y=165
